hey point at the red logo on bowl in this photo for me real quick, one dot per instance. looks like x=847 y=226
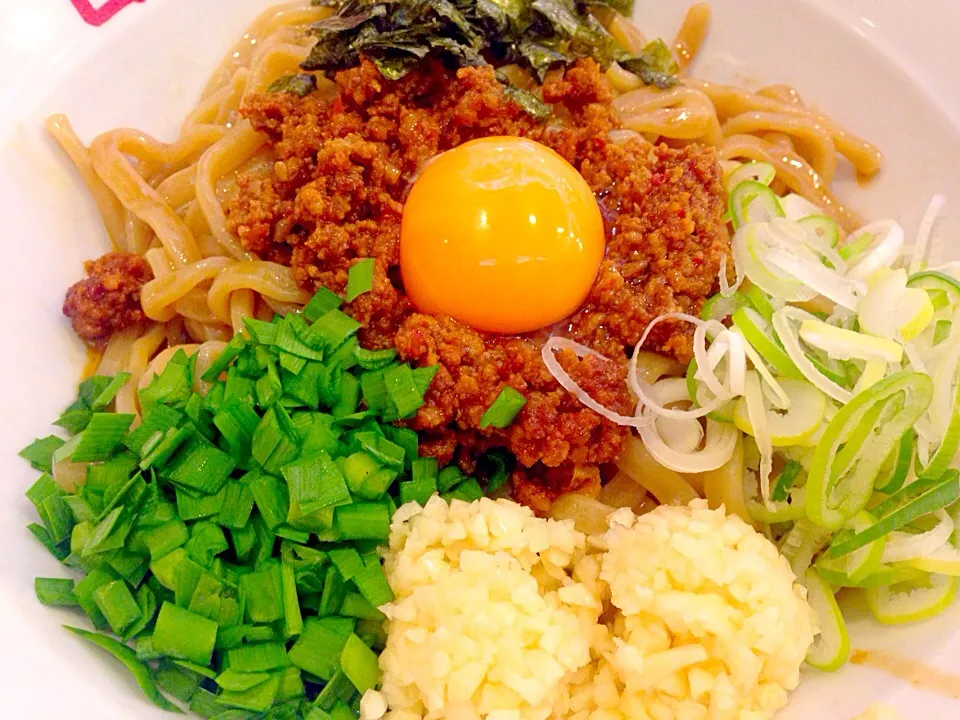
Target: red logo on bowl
x=98 y=16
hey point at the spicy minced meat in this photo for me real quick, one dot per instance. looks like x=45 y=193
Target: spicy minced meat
x=344 y=161
x=108 y=299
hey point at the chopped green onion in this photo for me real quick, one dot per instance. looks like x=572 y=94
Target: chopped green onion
x=318 y=648
x=263 y=591
x=161 y=452
x=422 y=377
x=338 y=690
x=118 y=605
x=292 y=617
x=504 y=409
x=322 y=302
x=237 y=421
x=372 y=583
x=294 y=338
x=228 y=355
x=125 y=655
x=374 y=359
x=55 y=592
x=403 y=392
x=259 y=698
x=418 y=491
x=58 y=550
x=200 y=466
x=103 y=435
x=315 y=483
x=172 y=386
x=237 y=681
x=425 y=468
x=177 y=681
x=268 y=388
x=449 y=477
x=157 y=420
x=39 y=453
x=347 y=561
x=265 y=333
x=917 y=499
x=498 y=472
x=941 y=331
x=56 y=517
x=359 y=279
x=44 y=487
x=363 y=521
x=184 y=635
x=856 y=245
x=237 y=503
x=359 y=663
x=191 y=506
x=468 y=491
x=84 y=592
x=147 y=603
x=335 y=328
x=785 y=480
x=271 y=497
x=166 y=538
x=258 y=657
x=74 y=420
x=206 y=542
x=334 y=591
x=355 y=605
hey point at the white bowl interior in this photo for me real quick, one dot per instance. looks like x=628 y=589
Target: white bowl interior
x=145 y=70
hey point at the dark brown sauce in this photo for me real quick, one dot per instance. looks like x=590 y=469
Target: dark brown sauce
x=918 y=674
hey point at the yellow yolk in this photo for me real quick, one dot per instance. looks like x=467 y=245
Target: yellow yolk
x=502 y=234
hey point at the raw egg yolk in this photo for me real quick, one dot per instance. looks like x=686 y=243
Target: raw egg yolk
x=502 y=234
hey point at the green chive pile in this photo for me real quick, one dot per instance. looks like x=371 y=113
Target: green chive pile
x=228 y=542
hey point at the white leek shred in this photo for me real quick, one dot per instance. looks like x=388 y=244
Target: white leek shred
x=570 y=385
x=757 y=414
x=819 y=278
x=789 y=335
x=882 y=253
x=913 y=355
x=718 y=448
x=903 y=546
x=726 y=289
x=921 y=251
x=736 y=361
x=944 y=382
x=781 y=401
x=681 y=434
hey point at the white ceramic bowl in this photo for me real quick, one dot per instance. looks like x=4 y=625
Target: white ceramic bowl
x=883 y=68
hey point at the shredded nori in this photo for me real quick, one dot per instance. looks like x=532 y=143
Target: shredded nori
x=301 y=84
x=538 y=35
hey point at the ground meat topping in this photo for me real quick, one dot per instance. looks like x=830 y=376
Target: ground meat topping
x=344 y=163
x=108 y=299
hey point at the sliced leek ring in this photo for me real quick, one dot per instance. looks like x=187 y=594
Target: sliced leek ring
x=761 y=172
x=864 y=561
x=912 y=600
x=831 y=647
x=831 y=569
x=788 y=427
x=848 y=344
x=892 y=310
x=943 y=561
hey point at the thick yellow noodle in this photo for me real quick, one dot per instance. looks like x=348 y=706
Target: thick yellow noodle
x=226 y=156
x=267 y=278
x=111 y=211
x=166 y=201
